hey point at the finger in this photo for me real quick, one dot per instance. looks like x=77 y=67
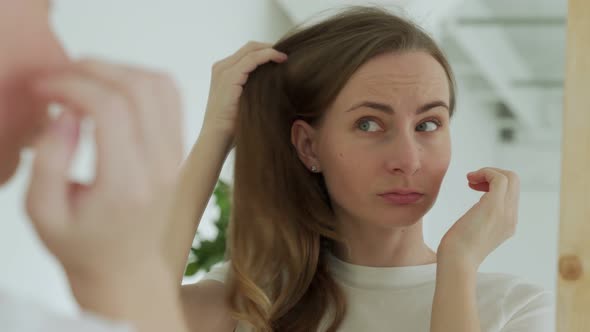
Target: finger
x=249 y=47
x=157 y=108
x=513 y=183
x=513 y=188
x=116 y=136
x=512 y=195
x=231 y=60
x=48 y=192
x=250 y=62
x=497 y=181
x=505 y=191
x=484 y=186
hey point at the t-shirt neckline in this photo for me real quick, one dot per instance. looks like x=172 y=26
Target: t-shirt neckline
x=379 y=277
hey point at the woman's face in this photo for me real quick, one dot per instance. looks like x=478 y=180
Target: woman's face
x=28 y=47
x=388 y=129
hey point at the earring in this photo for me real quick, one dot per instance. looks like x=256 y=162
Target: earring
x=314 y=169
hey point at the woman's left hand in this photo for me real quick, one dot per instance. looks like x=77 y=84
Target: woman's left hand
x=489 y=223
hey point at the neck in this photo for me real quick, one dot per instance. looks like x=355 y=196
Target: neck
x=383 y=247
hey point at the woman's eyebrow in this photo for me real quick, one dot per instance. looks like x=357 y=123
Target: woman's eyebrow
x=389 y=110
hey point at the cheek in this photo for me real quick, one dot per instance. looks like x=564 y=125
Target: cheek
x=341 y=158
x=437 y=162
x=347 y=171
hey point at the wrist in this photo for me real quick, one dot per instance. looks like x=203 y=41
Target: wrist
x=144 y=295
x=92 y=288
x=217 y=135
x=217 y=128
x=455 y=263
x=454 y=306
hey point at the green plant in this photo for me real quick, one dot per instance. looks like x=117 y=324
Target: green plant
x=209 y=252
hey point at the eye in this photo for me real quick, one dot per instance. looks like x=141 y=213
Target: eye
x=423 y=125
x=366 y=124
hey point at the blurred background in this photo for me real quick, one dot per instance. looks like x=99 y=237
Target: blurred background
x=508 y=57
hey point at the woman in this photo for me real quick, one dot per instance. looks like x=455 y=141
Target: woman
x=340 y=152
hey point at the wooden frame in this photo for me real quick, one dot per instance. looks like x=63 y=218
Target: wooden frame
x=573 y=296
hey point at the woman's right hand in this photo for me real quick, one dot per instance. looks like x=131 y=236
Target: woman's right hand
x=228 y=77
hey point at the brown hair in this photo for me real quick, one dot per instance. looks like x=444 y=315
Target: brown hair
x=281 y=215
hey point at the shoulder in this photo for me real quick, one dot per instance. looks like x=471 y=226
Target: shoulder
x=513 y=289
x=205 y=303
x=523 y=306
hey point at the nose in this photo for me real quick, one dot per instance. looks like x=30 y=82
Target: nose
x=404 y=154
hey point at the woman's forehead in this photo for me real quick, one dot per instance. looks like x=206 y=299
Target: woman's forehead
x=419 y=76
x=400 y=68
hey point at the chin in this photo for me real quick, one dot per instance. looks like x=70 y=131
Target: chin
x=405 y=216
x=403 y=222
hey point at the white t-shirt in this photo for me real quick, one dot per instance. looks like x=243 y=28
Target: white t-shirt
x=19 y=315
x=400 y=299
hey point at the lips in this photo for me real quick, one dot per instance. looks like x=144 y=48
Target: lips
x=402 y=196
x=402 y=191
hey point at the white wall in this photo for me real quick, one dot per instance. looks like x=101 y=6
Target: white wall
x=182 y=37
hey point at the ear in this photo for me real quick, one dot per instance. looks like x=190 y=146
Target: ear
x=304 y=139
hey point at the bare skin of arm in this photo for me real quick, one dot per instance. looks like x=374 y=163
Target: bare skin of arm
x=197 y=180
x=455 y=303
x=201 y=170
x=204 y=303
